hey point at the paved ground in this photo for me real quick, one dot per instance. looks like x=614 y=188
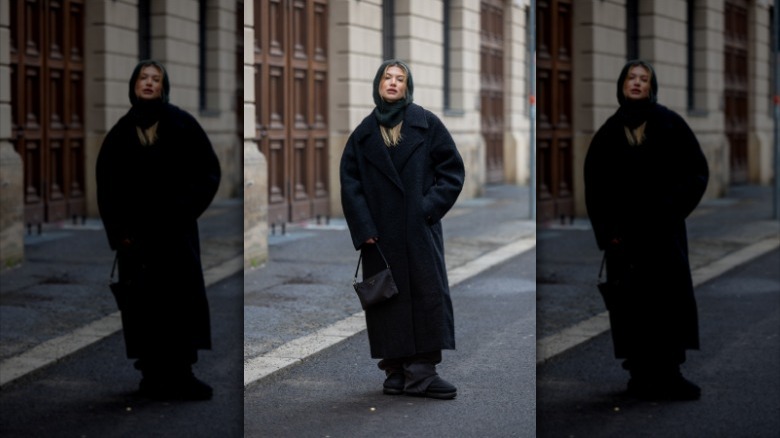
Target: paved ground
x=338 y=392
x=306 y=365
x=63 y=283
x=568 y=259
x=62 y=357
x=93 y=392
x=305 y=288
x=733 y=246
x=580 y=393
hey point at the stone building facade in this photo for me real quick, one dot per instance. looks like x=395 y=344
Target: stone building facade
x=308 y=72
x=712 y=58
x=64 y=70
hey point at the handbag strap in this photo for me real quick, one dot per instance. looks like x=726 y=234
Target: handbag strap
x=603 y=263
x=113 y=268
x=361 y=258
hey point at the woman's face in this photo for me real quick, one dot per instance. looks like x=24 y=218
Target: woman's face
x=637 y=83
x=392 y=87
x=148 y=86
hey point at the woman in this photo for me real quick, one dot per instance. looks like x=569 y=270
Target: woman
x=156 y=174
x=644 y=174
x=400 y=174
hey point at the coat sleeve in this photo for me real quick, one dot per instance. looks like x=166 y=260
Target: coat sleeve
x=108 y=198
x=449 y=173
x=353 y=196
x=204 y=174
x=598 y=202
x=693 y=173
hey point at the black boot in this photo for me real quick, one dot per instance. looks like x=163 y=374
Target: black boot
x=394 y=383
x=173 y=383
x=661 y=382
x=189 y=387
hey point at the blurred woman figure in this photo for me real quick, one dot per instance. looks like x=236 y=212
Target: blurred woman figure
x=156 y=174
x=644 y=174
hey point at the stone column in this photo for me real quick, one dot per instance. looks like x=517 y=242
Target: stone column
x=255 y=166
x=11 y=167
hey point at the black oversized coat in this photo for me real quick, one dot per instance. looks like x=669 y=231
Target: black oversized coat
x=401 y=200
x=641 y=195
x=153 y=196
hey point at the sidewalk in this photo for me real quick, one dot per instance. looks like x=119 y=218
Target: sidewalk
x=302 y=300
x=58 y=300
x=722 y=233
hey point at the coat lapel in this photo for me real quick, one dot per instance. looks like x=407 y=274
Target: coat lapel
x=373 y=148
x=375 y=151
x=411 y=137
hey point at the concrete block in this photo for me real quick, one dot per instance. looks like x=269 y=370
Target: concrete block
x=5 y=45
x=5 y=13
x=5 y=120
x=249 y=45
x=5 y=88
x=255 y=206
x=11 y=205
x=366 y=13
x=120 y=14
x=249 y=14
x=249 y=120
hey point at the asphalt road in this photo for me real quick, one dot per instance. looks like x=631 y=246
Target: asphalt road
x=337 y=392
x=581 y=392
x=93 y=393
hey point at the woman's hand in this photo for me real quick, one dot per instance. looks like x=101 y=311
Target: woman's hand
x=371 y=240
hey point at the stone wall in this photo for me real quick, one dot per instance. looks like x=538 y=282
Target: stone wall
x=600 y=53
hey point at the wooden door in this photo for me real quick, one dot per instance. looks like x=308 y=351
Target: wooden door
x=47 y=106
x=554 y=121
x=491 y=68
x=736 y=87
x=291 y=98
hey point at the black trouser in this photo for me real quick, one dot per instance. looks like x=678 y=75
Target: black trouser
x=419 y=370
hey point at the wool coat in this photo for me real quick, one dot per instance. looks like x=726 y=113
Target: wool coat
x=152 y=196
x=401 y=200
x=641 y=196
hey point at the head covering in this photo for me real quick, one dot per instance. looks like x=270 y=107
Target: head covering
x=390 y=114
x=147 y=112
x=634 y=112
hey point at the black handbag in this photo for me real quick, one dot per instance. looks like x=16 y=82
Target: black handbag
x=377 y=288
x=120 y=289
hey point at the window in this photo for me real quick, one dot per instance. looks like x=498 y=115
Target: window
x=691 y=49
x=447 y=46
x=632 y=29
x=202 y=17
x=774 y=47
x=388 y=29
x=144 y=29
x=696 y=88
